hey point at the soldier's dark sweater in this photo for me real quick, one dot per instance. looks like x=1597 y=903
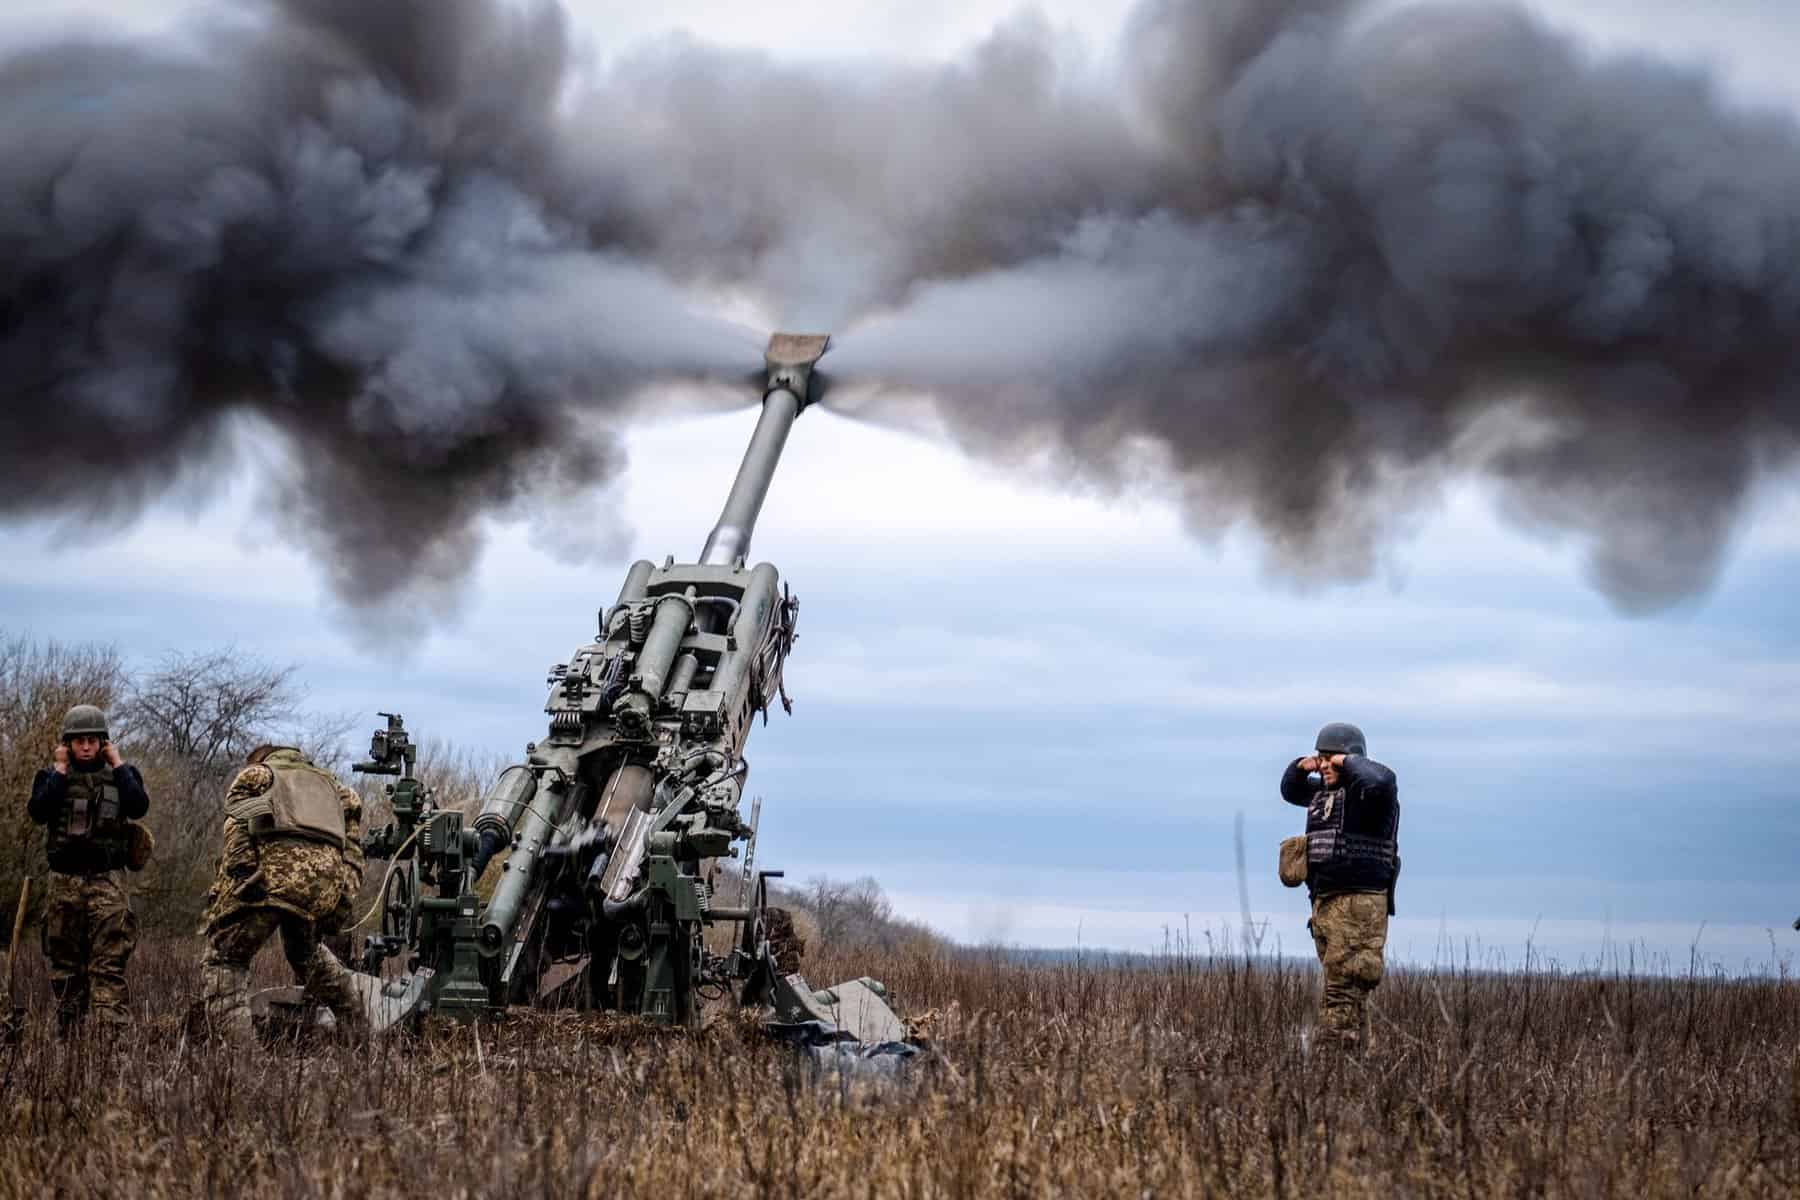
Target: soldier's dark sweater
x=1371 y=804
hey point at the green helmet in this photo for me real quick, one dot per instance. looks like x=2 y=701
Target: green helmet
x=1341 y=737
x=271 y=748
x=84 y=718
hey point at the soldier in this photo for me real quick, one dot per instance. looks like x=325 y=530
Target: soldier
x=292 y=863
x=86 y=800
x=1352 y=860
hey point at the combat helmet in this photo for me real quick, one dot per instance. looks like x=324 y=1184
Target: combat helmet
x=84 y=719
x=263 y=752
x=1341 y=737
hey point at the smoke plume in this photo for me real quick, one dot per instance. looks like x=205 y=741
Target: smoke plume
x=1304 y=261
x=337 y=218
x=1370 y=255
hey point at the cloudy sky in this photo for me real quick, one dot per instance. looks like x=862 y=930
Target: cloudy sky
x=1035 y=715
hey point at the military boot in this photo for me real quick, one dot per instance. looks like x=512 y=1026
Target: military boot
x=328 y=981
x=225 y=991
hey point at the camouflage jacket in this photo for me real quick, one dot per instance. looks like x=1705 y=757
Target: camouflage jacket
x=307 y=878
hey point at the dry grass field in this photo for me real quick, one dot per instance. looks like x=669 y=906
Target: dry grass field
x=1185 y=1078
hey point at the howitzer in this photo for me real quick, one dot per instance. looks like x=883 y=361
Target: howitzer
x=606 y=839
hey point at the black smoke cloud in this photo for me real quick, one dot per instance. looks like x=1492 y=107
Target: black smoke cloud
x=1306 y=261
x=337 y=218
x=1373 y=253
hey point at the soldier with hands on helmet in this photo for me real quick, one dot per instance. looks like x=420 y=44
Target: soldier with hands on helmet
x=291 y=864
x=89 y=801
x=1351 y=859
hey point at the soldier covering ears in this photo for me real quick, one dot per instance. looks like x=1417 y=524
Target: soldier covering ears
x=88 y=800
x=1352 y=859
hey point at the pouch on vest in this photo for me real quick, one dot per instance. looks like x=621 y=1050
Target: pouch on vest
x=81 y=816
x=302 y=803
x=93 y=805
x=90 y=834
x=1293 y=861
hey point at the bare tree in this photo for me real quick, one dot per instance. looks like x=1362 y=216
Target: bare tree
x=848 y=912
x=39 y=682
x=209 y=707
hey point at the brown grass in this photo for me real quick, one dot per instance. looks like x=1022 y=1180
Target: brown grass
x=1188 y=1077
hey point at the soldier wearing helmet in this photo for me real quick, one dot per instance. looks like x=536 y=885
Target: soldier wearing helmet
x=1352 y=858
x=292 y=864
x=88 y=801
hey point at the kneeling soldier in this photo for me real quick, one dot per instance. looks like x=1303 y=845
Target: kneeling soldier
x=87 y=800
x=1352 y=861
x=292 y=863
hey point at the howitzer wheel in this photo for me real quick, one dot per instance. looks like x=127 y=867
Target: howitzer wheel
x=400 y=907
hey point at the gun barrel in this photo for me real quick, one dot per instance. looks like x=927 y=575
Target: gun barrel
x=790 y=359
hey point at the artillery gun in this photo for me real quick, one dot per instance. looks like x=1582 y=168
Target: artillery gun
x=613 y=827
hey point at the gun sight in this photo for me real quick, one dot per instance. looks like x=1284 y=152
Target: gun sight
x=391 y=750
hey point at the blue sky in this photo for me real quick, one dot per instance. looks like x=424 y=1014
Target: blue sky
x=1035 y=716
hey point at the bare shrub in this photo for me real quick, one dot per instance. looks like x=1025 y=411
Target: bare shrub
x=854 y=914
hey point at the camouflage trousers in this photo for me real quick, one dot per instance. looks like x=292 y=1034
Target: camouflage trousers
x=88 y=936
x=232 y=943
x=1350 y=932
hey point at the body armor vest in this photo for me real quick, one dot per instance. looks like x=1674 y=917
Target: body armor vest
x=89 y=834
x=1351 y=861
x=302 y=803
